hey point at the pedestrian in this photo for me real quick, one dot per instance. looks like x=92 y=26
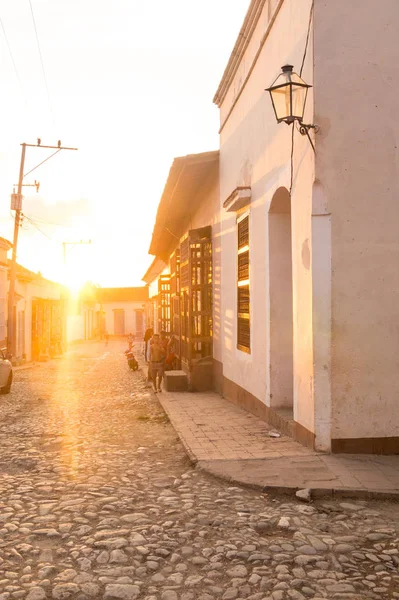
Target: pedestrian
x=164 y=341
x=106 y=337
x=147 y=336
x=130 y=340
x=171 y=354
x=157 y=362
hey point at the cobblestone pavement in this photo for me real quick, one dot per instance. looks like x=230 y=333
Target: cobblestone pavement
x=98 y=500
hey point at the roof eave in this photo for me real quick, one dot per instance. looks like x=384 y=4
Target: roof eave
x=172 y=183
x=154 y=270
x=251 y=18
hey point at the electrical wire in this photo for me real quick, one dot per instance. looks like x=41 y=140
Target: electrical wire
x=292 y=158
x=13 y=63
x=307 y=38
x=42 y=63
x=300 y=75
x=39 y=220
x=43 y=161
x=37 y=227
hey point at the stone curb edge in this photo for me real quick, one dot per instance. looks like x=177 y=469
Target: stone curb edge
x=356 y=493
x=359 y=493
x=191 y=456
x=25 y=367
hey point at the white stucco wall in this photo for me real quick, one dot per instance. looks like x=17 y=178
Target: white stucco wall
x=129 y=309
x=3 y=301
x=255 y=152
x=29 y=290
x=356 y=105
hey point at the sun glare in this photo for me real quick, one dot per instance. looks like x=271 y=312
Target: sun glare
x=75 y=282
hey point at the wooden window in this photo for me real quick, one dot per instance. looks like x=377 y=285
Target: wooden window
x=164 y=303
x=243 y=293
x=196 y=295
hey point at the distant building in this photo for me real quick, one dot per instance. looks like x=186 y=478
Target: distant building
x=123 y=309
x=117 y=311
x=157 y=279
x=5 y=246
x=83 y=316
x=39 y=316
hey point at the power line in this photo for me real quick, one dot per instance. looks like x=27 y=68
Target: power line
x=300 y=75
x=13 y=62
x=39 y=220
x=37 y=227
x=307 y=38
x=42 y=62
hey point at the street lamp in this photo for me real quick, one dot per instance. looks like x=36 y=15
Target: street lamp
x=288 y=94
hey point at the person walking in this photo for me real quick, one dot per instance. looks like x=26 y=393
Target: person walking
x=171 y=354
x=157 y=362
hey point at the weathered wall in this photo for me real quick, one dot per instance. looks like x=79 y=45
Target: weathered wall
x=255 y=152
x=29 y=290
x=356 y=105
x=129 y=308
x=281 y=314
x=3 y=302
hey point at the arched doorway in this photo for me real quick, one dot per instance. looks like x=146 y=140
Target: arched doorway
x=281 y=312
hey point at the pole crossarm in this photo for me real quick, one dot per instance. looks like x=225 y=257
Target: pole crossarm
x=50 y=147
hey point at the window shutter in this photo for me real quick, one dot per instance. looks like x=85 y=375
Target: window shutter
x=243 y=292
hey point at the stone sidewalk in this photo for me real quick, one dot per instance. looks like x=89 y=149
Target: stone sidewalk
x=229 y=442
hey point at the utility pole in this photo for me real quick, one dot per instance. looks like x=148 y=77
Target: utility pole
x=16 y=204
x=11 y=323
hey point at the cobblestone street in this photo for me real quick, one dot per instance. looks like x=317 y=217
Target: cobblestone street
x=98 y=500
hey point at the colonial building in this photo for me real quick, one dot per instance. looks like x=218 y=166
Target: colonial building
x=5 y=246
x=39 y=316
x=309 y=239
x=115 y=311
x=157 y=279
x=123 y=310
x=83 y=314
x=186 y=237
x=282 y=248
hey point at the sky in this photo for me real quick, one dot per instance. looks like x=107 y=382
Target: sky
x=130 y=83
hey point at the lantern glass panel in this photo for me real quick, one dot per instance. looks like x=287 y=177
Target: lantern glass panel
x=281 y=102
x=298 y=101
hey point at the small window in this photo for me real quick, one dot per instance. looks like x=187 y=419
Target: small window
x=243 y=293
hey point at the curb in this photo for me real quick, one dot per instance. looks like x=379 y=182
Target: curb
x=25 y=367
x=336 y=493
x=191 y=456
x=316 y=493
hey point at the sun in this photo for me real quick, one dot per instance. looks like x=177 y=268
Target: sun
x=75 y=279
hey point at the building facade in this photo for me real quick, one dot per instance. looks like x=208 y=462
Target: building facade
x=157 y=279
x=309 y=246
x=39 y=316
x=5 y=246
x=186 y=238
x=124 y=310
